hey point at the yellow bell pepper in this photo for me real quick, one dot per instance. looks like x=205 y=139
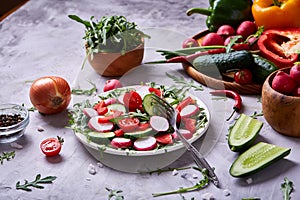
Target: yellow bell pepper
x=276 y=13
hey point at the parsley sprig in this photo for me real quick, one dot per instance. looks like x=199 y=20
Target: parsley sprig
x=36 y=183
x=7 y=156
x=115 y=194
x=198 y=186
x=287 y=188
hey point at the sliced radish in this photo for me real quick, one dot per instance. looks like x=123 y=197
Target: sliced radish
x=145 y=143
x=110 y=101
x=90 y=112
x=120 y=142
x=189 y=110
x=185 y=133
x=164 y=139
x=159 y=123
x=100 y=127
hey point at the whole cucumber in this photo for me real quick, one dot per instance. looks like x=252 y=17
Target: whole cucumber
x=262 y=68
x=215 y=64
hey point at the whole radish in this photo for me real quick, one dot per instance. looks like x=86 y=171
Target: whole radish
x=225 y=30
x=246 y=29
x=112 y=84
x=252 y=41
x=190 y=42
x=212 y=39
x=283 y=83
x=295 y=73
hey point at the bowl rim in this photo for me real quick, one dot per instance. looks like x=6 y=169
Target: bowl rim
x=16 y=107
x=110 y=150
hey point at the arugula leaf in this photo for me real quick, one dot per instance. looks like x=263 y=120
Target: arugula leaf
x=287 y=188
x=85 y=92
x=198 y=186
x=36 y=183
x=7 y=156
x=114 y=194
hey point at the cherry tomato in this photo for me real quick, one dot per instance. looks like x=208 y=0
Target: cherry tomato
x=184 y=103
x=243 y=76
x=129 y=124
x=112 y=84
x=133 y=100
x=107 y=118
x=164 y=138
x=155 y=91
x=143 y=126
x=51 y=146
x=101 y=108
x=119 y=132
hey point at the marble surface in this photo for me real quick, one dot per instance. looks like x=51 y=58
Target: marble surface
x=39 y=39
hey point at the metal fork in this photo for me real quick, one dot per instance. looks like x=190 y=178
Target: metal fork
x=171 y=114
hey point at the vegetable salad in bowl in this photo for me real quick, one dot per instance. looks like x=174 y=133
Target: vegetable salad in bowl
x=125 y=130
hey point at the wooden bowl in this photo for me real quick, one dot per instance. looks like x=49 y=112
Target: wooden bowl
x=282 y=112
x=116 y=64
x=218 y=83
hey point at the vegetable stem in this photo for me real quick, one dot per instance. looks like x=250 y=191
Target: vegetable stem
x=201 y=11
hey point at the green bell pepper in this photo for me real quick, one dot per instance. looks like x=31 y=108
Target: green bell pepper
x=221 y=12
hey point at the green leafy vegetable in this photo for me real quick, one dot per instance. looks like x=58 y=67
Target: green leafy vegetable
x=36 y=183
x=110 y=34
x=7 y=156
x=287 y=188
x=256 y=114
x=198 y=186
x=77 y=119
x=114 y=194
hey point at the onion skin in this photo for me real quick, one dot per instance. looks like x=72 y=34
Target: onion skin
x=50 y=94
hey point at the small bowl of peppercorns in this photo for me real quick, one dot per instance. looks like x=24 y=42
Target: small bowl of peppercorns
x=13 y=121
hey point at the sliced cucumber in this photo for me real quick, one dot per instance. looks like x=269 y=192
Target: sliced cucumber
x=139 y=134
x=116 y=106
x=257 y=158
x=100 y=137
x=152 y=107
x=243 y=133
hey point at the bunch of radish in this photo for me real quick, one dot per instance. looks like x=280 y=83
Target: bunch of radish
x=288 y=83
x=244 y=33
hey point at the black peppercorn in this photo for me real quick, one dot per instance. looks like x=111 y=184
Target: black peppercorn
x=10 y=119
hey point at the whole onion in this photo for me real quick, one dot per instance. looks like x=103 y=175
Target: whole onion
x=50 y=94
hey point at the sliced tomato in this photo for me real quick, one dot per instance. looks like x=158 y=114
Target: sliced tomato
x=184 y=103
x=155 y=91
x=119 y=132
x=143 y=126
x=133 y=100
x=164 y=139
x=50 y=146
x=129 y=124
x=101 y=108
x=107 y=118
x=190 y=124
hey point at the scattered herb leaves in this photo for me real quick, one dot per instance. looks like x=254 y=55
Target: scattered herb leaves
x=85 y=92
x=256 y=114
x=36 y=183
x=198 y=186
x=115 y=194
x=7 y=156
x=287 y=188
x=184 y=83
x=159 y=171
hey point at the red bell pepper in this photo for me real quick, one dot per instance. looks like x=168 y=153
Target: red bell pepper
x=281 y=46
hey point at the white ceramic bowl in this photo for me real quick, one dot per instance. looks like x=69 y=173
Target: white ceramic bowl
x=132 y=161
x=13 y=132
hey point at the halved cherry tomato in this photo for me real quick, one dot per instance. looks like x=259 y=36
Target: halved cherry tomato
x=155 y=91
x=164 y=138
x=51 y=146
x=129 y=124
x=243 y=76
x=133 y=100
